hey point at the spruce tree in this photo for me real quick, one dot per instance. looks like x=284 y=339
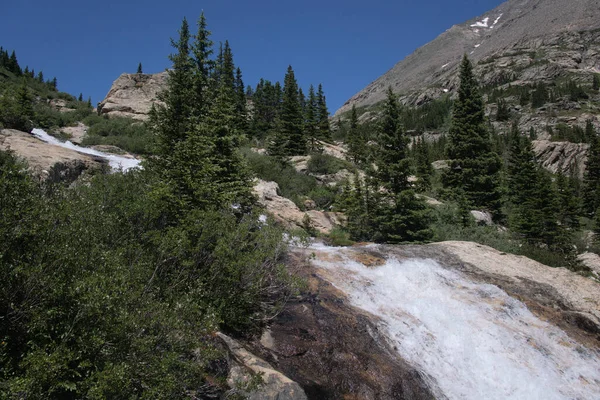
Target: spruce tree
x=424 y=169
x=139 y=69
x=172 y=121
x=311 y=122
x=201 y=51
x=357 y=144
x=323 y=115
x=290 y=133
x=591 y=177
x=474 y=166
x=240 y=103
x=596 y=82
x=401 y=216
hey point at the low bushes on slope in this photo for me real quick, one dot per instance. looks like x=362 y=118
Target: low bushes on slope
x=106 y=295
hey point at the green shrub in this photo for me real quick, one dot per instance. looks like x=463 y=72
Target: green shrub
x=126 y=133
x=324 y=164
x=106 y=294
x=339 y=237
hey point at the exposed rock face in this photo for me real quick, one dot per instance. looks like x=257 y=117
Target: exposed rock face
x=563 y=157
x=48 y=161
x=287 y=213
x=520 y=40
x=274 y=386
x=132 y=95
x=566 y=298
x=75 y=133
x=333 y=350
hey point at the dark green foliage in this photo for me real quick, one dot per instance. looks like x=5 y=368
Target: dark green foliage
x=502 y=114
x=430 y=116
x=139 y=69
x=591 y=178
x=423 y=168
x=393 y=166
x=292 y=184
x=324 y=164
x=266 y=102
x=289 y=140
x=394 y=215
x=16 y=111
x=324 y=130
x=596 y=82
x=311 y=119
x=573 y=134
x=128 y=134
x=474 y=167
x=197 y=129
x=539 y=97
x=569 y=203
x=173 y=120
x=356 y=140
x=535 y=203
x=105 y=296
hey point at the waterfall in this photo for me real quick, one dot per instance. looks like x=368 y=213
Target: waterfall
x=471 y=339
x=115 y=162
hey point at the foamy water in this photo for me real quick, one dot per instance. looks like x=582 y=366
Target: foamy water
x=115 y=162
x=472 y=339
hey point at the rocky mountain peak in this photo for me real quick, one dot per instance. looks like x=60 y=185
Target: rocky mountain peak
x=566 y=34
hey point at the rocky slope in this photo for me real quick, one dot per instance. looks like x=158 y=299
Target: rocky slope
x=335 y=349
x=519 y=41
x=48 y=161
x=132 y=95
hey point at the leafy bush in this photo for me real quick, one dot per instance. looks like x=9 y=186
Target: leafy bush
x=324 y=164
x=105 y=294
x=339 y=237
x=292 y=184
x=126 y=133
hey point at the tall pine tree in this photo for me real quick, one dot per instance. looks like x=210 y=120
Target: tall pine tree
x=290 y=139
x=323 y=115
x=474 y=166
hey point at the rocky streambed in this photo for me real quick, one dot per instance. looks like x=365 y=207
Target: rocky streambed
x=450 y=320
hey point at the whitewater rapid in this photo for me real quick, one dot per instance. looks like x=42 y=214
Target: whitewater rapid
x=116 y=162
x=472 y=340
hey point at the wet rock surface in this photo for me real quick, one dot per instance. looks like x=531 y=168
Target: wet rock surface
x=333 y=350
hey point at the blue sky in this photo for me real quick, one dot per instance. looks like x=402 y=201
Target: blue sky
x=344 y=45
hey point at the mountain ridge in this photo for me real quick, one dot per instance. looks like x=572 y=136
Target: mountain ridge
x=513 y=25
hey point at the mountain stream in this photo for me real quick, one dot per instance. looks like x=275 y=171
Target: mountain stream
x=471 y=340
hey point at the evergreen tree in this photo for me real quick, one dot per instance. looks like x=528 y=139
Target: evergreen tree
x=80 y=98
x=290 y=133
x=591 y=177
x=357 y=144
x=311 y=124
x=139 y=69
x=568 y=203
x=401 y=216
x=502 y=114
x=539 y=96
x=474 y=166
x=14 y=64
x=40 y=77
x=596 y=82
x=172 y=121
x=393 y=167
x=424 y=169
x=240 y=103
x=201 y=50
x=323 y=115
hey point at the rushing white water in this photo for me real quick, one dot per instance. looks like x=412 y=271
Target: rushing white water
x=472 y=339
x=116 y=162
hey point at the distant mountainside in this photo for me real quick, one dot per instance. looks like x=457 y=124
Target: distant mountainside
x=520 y=41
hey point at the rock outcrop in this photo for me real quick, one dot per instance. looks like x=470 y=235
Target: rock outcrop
x=270 y=384
x=561 y=157
x=47 y=161
x=569 y=300
x=287 y=213
x=132 y=95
